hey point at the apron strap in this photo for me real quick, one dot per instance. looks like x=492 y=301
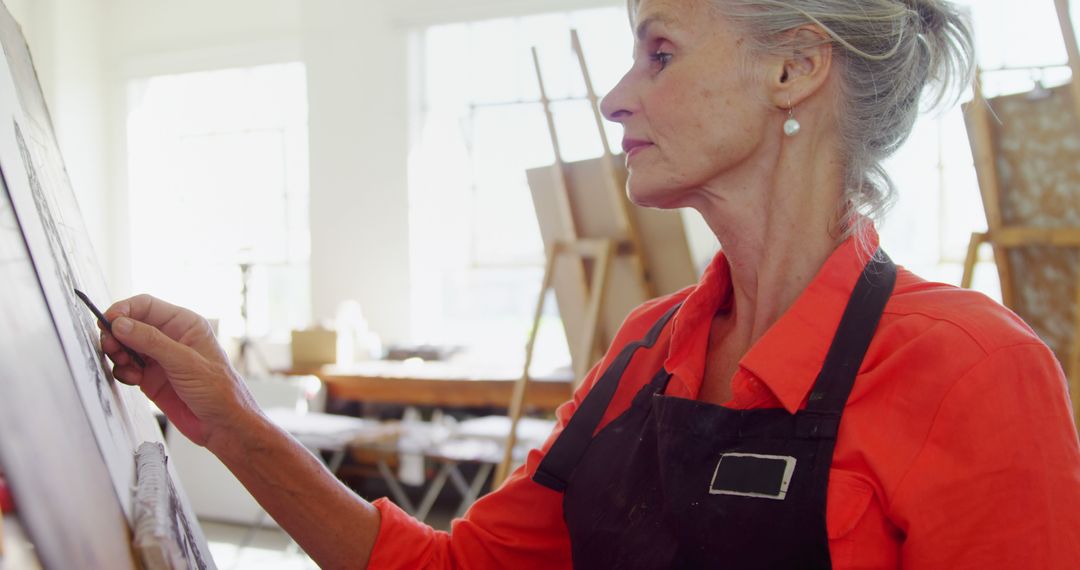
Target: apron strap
x=821 y=418
x=554 y=471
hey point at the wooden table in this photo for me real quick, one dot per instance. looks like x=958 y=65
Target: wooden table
x=440 y=384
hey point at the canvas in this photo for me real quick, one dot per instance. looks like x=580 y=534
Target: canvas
x=118 y=417
x=74 y=521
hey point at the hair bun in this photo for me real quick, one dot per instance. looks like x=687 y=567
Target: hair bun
x=930 y=14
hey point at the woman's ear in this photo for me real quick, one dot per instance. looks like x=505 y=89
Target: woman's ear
x=805 y=70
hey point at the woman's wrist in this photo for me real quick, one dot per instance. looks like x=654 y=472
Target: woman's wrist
x=246 y=434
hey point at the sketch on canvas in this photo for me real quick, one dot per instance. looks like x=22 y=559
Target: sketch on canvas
x=90 y=354
x=57 y=240
x=86 y=529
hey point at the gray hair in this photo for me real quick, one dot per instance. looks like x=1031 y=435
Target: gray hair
x=887 y=51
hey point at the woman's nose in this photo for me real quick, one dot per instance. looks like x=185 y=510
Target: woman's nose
x=616 y=105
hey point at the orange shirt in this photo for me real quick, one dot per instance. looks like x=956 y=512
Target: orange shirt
x=956 y=448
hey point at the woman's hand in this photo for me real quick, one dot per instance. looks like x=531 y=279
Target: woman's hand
x=187 y=374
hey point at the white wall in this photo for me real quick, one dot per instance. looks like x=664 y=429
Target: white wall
x=357 y=58
x=359 y=201
x=410 y=13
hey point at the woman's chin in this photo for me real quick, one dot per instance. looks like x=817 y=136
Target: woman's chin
x=651 y=196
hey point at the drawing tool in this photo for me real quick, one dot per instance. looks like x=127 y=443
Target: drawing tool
x=108 y=326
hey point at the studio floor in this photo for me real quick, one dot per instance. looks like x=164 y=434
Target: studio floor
x=237 y=547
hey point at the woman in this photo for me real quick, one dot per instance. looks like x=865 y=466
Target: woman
x=807 y=405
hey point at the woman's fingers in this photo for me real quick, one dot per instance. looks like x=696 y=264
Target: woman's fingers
x=109 y=344
x=114 y=350
x=128 y=374
x=149 y=340
x=177 y=323
x=120 y=358
x=187 y=374
x=171 y=319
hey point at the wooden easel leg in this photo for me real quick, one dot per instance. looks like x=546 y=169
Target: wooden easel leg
x=977 y=239
x=517 y=401
x=592 y=313
x=982 y=145
x=1004 y=268
x=1068 y=33
x=615 y=188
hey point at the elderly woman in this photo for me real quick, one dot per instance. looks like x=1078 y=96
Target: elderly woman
x=806 y=405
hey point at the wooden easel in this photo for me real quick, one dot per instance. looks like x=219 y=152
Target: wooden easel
x=1002 y=236
x=599 y=254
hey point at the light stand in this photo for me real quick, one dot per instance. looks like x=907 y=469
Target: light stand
x=247 y=349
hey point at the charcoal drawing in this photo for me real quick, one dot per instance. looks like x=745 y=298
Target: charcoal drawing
x=87 y=529
x=91 y=352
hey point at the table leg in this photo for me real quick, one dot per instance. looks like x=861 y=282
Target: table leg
x=395 y=487
x=434 y=489
x=469 y=497
x=459 y=482
x=336 y=459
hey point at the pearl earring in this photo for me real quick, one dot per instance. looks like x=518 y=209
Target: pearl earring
x=791 y=126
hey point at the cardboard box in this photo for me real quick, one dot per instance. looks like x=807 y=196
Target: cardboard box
x=313 y=348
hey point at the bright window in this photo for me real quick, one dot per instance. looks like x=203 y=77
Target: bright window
x=475 y=244
x=217 y=164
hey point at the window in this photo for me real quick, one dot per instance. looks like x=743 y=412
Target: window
x=217 y=166
x=475 y=245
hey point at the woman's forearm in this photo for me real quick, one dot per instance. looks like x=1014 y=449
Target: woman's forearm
x=331 y=523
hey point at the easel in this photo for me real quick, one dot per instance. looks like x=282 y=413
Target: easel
x=1002 y=236
x=600 y=252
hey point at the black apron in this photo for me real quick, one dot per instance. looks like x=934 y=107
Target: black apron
x=677 y=483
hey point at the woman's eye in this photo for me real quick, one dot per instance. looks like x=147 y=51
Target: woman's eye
x=661 y=58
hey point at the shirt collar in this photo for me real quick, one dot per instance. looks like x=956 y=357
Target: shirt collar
x=788 y=357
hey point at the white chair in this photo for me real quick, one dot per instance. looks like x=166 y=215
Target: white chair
x=481 y=441
x=214 y=492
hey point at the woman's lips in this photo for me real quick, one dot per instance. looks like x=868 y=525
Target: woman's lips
x=634 y=146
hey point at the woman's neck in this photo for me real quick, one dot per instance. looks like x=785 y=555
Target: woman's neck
x=777 y=221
